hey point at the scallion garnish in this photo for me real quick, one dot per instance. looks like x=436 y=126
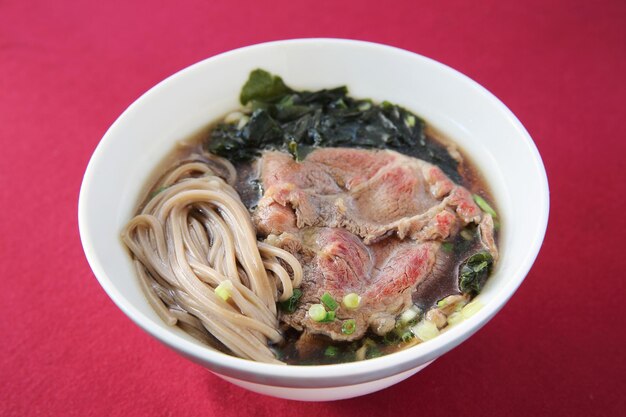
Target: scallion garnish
x=329 y=301
x=351 y=301
x=471 y=309
x=317 y=312
x=330 y=316
x=348 y=326
x=409 y=315
x=425 y=330
x=224 y=290
x=455 y=318
x=484 y=205
x=331 y=351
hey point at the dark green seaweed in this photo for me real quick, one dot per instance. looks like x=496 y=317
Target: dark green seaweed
x=474 y=271
x=299 y=121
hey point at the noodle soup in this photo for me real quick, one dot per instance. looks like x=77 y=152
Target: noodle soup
x=313 y=227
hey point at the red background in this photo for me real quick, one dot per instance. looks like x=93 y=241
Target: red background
x=68 y=69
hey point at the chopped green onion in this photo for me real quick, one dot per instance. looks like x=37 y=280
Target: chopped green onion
x=447 y=246
x=455 y=318
x=409 y=315
x=451 y=302
x=291 y=303
x=406 y=336
x=471 y=309
x=329 y=301
x=484 y=205
x=410 y=120
x=330 y=316
x=425 y=330
x=224 y=290
x=351 y=301
x=348 y=326
x=331 y=351
x=317 y=312
x=445 y=301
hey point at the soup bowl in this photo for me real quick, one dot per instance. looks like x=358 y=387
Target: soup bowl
x=189 y=100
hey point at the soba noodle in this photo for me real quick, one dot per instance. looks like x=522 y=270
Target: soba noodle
x=195 y=234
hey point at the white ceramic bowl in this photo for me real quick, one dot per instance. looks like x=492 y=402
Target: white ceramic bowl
x=188 y=100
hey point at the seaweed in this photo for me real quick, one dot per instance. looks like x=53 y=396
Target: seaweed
x=300 y=121
x=474 y=271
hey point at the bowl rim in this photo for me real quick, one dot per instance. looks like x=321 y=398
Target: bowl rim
x=326 y=375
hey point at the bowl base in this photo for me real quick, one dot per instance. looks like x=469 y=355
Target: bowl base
x=326 y=394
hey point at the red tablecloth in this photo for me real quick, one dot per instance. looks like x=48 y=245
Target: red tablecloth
x=68 y=69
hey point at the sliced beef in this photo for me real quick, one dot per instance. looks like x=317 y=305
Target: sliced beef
x=338 y=262
x=372 y=194
x=362 y=221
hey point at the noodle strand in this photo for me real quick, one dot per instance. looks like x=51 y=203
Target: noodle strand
x=195 y=234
